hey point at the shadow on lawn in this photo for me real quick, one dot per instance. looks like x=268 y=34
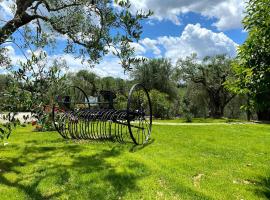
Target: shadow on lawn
x=59 y=169
x=264 y=190
x=43 y=172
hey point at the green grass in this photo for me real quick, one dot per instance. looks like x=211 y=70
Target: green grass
x=181 y=162
x=201 y=120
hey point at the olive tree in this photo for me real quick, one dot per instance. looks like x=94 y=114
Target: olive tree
x=210 y=74
x=92 y=28
x=156 y=74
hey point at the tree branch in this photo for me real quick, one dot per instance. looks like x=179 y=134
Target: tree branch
x=59 y=8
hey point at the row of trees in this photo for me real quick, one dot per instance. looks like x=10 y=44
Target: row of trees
x=192 y=87
x=202 y=88
x=189 y=88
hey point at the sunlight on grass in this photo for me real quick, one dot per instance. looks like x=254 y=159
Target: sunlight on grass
x=198 y=162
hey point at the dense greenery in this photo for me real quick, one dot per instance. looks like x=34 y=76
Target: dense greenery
x=156 y=74
x=209 y=76
x=189 y=89
x=216 y=86
x=253 y=64
x=182 y=162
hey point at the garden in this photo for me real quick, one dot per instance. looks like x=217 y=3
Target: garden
x=105 y=100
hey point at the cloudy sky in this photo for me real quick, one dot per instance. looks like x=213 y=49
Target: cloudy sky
x=177 y=29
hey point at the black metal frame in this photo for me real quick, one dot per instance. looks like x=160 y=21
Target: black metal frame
x=131 y=125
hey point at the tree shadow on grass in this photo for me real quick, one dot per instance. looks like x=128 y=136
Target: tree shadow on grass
x=52 y=169
x=263 y=187
x=68 y=170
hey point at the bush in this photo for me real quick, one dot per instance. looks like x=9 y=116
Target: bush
x=121 y=102
x=44 y=121
x=161 y=106
x=186 y=109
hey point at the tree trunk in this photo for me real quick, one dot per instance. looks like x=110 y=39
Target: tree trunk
x=264 y=115
x=216 y=106
x=216 y=111
x=248 y=108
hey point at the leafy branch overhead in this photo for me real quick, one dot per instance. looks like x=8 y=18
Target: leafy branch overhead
x=92 y=28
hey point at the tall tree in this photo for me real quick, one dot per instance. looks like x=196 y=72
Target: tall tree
x=88 y=80
x=156 y=74
x=87 y=24
x=253 y=66
x=211 y=74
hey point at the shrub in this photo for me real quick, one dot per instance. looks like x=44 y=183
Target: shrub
x=161 y=106
x=186 y=109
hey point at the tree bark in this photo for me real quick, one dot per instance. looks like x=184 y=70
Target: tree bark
x=11 y=26
x=248 y=108
x=264 y=115
x=20 y=19
x=216 y=111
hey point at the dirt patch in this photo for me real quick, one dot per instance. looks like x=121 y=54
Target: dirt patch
x=197 y=179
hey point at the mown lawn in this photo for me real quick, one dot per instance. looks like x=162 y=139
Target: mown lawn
x=201 y=120
x=181 y=162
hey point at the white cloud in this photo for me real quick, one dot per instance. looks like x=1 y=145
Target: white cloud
x=194 y=39
x=109 y=66
x=228 y=13
x=139 y=49
x=6 y=10
x=15 y=58
x=151 y=45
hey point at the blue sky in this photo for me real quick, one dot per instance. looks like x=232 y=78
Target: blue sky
x=177 y=29
x=168 y=28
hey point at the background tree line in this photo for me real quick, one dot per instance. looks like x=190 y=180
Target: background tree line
x=189 y=88
x=215 y=86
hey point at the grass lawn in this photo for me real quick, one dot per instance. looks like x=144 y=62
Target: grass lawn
x=201 y=120
x=181 y=162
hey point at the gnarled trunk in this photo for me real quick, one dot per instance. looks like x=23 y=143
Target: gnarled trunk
x=216 y=111
x=216 y=105
x=264 y=115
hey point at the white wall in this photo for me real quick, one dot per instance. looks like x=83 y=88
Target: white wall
x=17 y=116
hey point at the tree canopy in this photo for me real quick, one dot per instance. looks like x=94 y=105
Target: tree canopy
x=253 y=66
x=156 y=74
x=92 y=28
x=211 y=74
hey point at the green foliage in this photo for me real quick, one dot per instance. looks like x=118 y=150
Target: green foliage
x=253 y=64
x=162 y=107
x=198 y=100
x=92 y=83
x=4 y=59
x=34 y=83
x=121 y=102
x=186 y=107
x=44 y=119
x=10 y=123
x=86 y=80
x=156 y=74
x=234 y=108
x=210 y=75
x=87 y=25
x=5 y=130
